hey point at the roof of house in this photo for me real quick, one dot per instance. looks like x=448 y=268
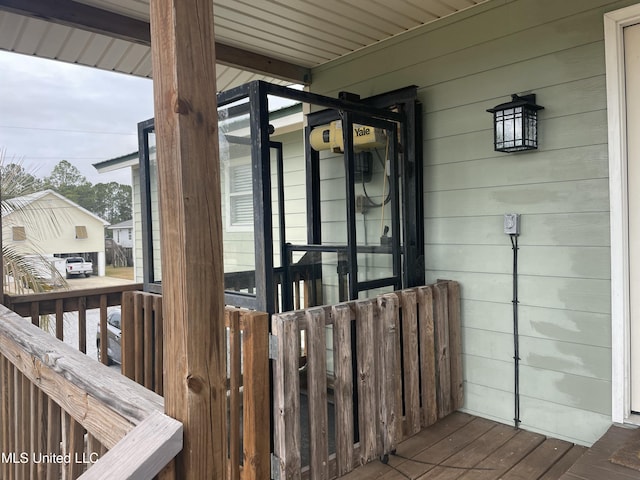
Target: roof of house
x=273 y=41
x=128 y=160
x=16 y=203
x=121 y=225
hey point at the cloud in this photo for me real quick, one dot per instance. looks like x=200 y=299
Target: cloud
x=52 y=111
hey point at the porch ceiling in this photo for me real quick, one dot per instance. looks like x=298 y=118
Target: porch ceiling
x=276 y=40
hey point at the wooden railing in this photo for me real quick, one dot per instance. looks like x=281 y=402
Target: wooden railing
x=306 y=282
x=405 y=368
x=247 y=369
x=142 y=358
x=62 y=416
x=58 y=303
x=304 y=279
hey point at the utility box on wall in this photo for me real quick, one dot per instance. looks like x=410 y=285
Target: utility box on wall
x=512 y=223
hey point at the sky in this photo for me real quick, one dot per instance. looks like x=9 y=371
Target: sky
x=52 y=111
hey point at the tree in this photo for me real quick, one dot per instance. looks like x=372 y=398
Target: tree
x=17 y=181
x=65 y=175
x=67 y=180
x=112 y=201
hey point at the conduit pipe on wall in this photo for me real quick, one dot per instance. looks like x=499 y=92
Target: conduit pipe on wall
x=516 y=338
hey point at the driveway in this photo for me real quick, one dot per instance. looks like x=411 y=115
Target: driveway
x=78 y=283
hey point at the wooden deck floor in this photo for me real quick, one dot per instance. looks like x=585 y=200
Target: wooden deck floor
x=595 y=464
x=469 y=448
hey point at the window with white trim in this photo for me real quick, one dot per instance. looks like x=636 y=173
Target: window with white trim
x=239 y=196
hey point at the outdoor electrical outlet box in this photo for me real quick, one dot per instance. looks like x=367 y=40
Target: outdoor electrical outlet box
x=512 y=223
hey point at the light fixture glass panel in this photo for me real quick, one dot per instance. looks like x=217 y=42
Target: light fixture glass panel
x=515 y=124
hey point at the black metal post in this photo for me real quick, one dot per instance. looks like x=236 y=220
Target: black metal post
x=412 y=193
x=516 y=336
x=349 y=169
x=395 y=206
x=262 y=214
x=286 y=287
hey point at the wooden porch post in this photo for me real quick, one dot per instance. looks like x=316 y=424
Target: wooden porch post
x=184 y=81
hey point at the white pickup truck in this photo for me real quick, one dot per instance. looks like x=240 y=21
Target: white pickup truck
x=78 y=266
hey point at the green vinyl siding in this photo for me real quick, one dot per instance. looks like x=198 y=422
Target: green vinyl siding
x=462 y=66
x=545 y=261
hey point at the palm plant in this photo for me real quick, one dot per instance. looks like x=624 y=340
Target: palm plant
x=25 y=270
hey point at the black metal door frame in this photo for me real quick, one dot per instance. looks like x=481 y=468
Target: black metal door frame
x=387 y=110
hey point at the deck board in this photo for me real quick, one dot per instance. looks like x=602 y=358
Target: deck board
x=430 y=458
x=506 y=457
x=595 y=464
x=538 y=462
x=565 y=463
x=457 y=465
x=432 y=435
x=463 y=447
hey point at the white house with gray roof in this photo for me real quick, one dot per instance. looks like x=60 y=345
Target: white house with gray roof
x=122 y=233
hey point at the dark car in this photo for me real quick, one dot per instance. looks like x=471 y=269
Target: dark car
x=114 y=333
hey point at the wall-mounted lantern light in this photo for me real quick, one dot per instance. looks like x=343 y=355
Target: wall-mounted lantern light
x=515 y=124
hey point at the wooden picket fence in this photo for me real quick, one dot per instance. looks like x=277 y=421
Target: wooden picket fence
x=142 y=339
x=397 y=369
x=247 y=371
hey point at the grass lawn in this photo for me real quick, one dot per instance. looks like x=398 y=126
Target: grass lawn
x=121 y=272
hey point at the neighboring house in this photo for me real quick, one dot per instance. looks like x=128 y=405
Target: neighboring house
x=49 y=224
x=132 y=161
x=122 y=233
